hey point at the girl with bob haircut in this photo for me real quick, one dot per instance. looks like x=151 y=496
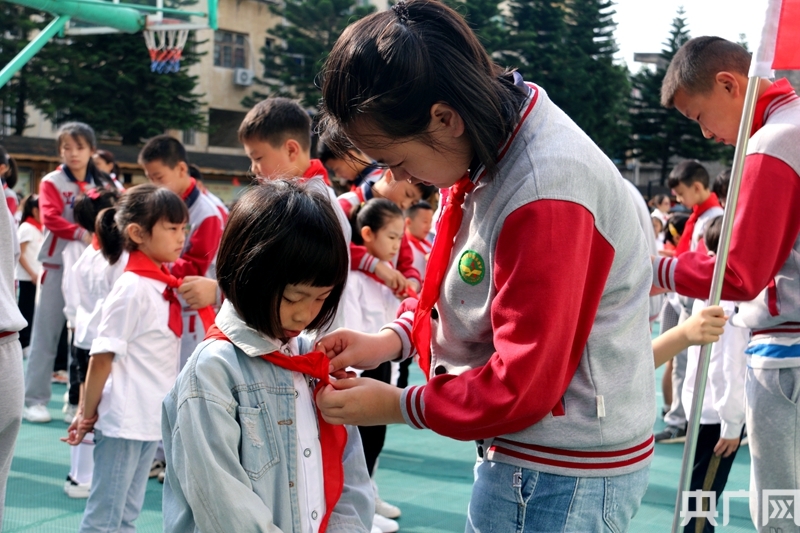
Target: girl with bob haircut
x=245 y=448
x=535 y=299
x=135 y=355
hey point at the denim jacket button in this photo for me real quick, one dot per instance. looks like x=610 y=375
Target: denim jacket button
x=314 y=515
x=296 y=394
x=291 y=484
x=307 y=452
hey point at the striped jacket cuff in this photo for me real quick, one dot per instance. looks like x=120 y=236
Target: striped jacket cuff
x=412 y=405
x=79 y=233
x=368 y=263
x=402 y=326
x=664 y=272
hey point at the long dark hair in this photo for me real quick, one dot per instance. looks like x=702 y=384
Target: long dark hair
x=391 y=67
x=80 y=132
x=144 y=205
x=89 y=204
x=280 y=233
x=29 y=203
x=10 y=177
x=108 y=157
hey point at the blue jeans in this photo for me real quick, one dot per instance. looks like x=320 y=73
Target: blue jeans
x=121 y=469
x=510 y=499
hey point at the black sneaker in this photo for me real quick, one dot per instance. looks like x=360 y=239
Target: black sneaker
x=157 y=468
x=671 y=435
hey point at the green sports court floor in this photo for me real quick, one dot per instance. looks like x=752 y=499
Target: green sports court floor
x=427 y=476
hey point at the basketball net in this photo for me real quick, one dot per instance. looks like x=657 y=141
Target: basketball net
x=166 y=48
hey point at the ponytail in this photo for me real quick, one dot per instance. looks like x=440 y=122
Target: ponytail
x=356 y=231
x=374 y=214
x=88 y=205
x=109 y=235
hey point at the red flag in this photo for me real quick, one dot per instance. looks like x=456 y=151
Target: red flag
x=778 y=49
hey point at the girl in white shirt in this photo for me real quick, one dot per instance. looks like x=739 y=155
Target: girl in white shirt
x=29 y=268
x=369 y=304
x=135 y=356
x=86 y=284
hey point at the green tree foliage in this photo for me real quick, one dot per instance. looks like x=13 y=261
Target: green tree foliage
x=661 y=134
x=485 y=19
x=103 y=80
x=301 y=45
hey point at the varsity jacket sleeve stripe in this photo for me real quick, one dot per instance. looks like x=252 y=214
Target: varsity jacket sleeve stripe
x=203 y=246
x=550 y=270
x=360 y=259
x=51 y=207
x=402 y=327
x=764 y=232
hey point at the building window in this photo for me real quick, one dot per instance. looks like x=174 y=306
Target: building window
x=189 y=137
x=230 y=49
x=223 y=127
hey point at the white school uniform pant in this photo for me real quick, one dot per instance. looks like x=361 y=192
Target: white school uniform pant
x=48 y=321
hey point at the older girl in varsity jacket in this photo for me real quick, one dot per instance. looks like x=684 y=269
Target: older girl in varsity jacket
x=57 y=193
x=535 y=301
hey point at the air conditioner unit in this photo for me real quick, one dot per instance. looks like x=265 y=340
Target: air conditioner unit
x=243 y=77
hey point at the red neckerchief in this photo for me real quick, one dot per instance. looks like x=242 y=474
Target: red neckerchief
x=779 y=89
x=188 y=191
x=81 y=184
x=333 y=438
x=33 y=222
x=685 y=243
x=316 y=168
x=140 y=264
x=410 y=292
x=359 y=195
x=95 y=241
x=420 y=244
x=439 y=259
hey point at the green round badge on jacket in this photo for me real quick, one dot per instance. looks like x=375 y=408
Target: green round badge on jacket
x=471 y=267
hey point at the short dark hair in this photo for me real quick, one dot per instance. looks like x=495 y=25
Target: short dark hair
x=374 y=214
x=687 y=172
x=169 y=150
x=275 y=120
x=696 y=64
x=677 y=221
x=281 y=233
x=89 y=204
x=10 y=176
x=389 y=68
x=412 y=211
x=144 y=205
x=711 y=234
x=721 y=183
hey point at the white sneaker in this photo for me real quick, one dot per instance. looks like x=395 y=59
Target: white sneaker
x=26 y=352
x=69 y=412
x=375 y=529
x=37 y=414
x=73 y=489
x=385 y=525
x=386 y=509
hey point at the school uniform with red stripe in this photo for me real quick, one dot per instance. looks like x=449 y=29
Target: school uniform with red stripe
x=764 y=259
x=539 y=343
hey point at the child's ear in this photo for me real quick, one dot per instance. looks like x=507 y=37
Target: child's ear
x=135 y=233
x=183 y=168
x=293 y=149
x=729 y=83
x=367 y=234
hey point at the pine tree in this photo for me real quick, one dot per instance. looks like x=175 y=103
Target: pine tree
x=485 y=19
x=660 y=134
x=596 y=96
x=303 y=43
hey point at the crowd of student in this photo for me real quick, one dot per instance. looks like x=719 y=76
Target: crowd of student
x=193 y=328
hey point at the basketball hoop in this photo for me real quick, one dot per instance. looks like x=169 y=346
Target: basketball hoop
x=166 y=48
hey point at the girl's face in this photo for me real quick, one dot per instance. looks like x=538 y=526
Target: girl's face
x=665 y=205
x=163 y=244
x=300 y=305
x=656 y=226
x=101 y=164
x=440 y=160
x=384 y=243
x=75 y=152
x=401 y=193
x=35 y=211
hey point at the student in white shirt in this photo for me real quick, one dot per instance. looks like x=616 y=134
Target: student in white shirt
x=378 y=225
x=86 y=284
x=28 y=268
x=419 y=221
x=135 y=356
x=246 y=449
x=723 y=415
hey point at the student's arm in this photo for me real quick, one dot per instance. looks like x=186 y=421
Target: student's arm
x=699 y=329
x=205 y=458
x=202 y=249
x=405 y=263
x=96 y=377
x=51 y=207
x=764 y=232
x=540 y=329
x=356 y=506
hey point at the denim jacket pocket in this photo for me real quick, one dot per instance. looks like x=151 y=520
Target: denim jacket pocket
x=258 y=447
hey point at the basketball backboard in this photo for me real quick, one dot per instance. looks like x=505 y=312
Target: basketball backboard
x=156 y=15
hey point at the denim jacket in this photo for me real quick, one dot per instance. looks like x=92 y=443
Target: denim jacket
x=231 y=446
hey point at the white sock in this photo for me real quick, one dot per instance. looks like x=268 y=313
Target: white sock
x=84 y=460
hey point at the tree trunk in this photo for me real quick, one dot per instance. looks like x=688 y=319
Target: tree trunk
x=19 y=112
